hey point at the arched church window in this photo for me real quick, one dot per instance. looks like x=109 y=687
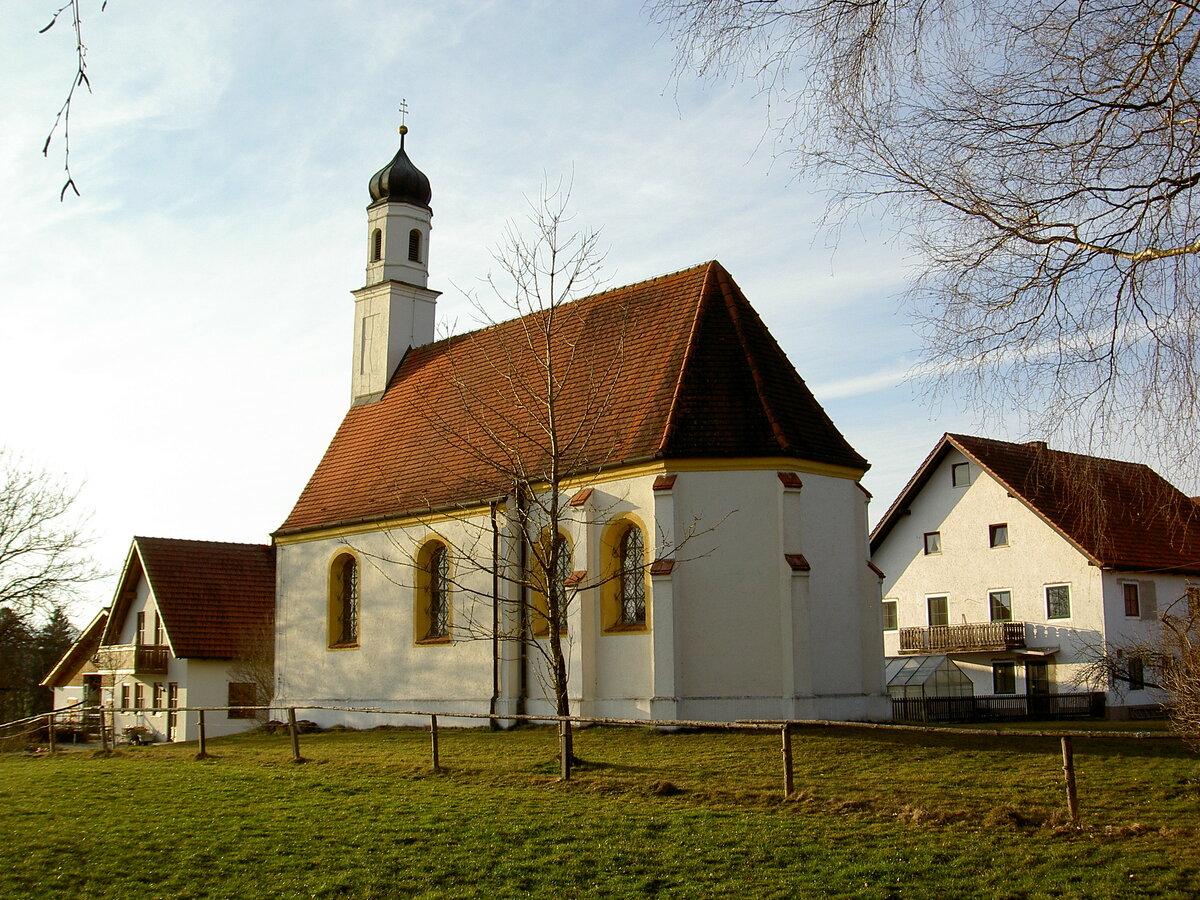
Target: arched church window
x=376 y=245
x=631 y=577
x=414 y=245
x=431 y=615
x=343 y=602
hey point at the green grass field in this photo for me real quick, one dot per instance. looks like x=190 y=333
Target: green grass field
x=874 y=815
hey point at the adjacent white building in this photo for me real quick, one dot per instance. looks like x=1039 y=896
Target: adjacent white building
x=1018 y=564
x=712 y=539
x=190 y=626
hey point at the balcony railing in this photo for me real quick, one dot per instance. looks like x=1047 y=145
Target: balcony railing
x=963 y=638
x=140 y=659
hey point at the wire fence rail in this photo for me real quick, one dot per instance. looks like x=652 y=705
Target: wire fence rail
x=30 y=730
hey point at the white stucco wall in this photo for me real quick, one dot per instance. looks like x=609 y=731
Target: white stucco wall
x=967 y=569
x=732 y=631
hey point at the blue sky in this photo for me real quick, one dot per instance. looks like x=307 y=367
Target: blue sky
x=178 y=337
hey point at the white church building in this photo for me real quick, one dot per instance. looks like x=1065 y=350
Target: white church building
x=711 y=527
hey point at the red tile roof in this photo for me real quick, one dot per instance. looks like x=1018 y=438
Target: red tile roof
x=676 y=367
x=1120 y=515
x=78 y=654
x=212 y=595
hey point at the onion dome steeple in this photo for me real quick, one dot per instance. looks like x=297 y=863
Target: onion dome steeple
x=400 y=181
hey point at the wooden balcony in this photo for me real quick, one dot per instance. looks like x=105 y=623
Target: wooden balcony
x=140 y=659
x=979 y=636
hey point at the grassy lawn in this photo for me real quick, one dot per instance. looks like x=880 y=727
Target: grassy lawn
x=681 y=815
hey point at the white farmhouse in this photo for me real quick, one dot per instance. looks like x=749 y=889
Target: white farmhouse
x=1009 y=566
x=713 y=533
x=190 y=626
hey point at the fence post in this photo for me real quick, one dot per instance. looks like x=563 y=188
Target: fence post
x=1068 y=756
x=203 y=754
x=294 y=730
x=564 y=749
x=786 y=749
x=50 y=731
x=433 y=743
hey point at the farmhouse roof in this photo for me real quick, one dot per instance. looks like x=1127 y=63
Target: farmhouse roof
x=210 y=594
x=1120 y=515
x=78 y=653
x=676 y=367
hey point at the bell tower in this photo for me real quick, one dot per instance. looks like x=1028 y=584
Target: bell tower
x=394 y=310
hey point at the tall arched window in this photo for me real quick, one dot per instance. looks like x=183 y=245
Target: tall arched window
x=557 y=581
x=431 y=610
x=631 y=577
x=376 y=245
x=343 y=602
x=414 y=245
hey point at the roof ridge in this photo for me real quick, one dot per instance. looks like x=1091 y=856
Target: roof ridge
x=599 y=295
x=672 y=416
x=729 y=294
x=147 y=537
x=1027 y=445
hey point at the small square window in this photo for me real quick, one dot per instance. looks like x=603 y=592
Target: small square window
x=1058 y=601
x=998 y=535
x=891 y=620
x=1000 y=603
x=1133 y=606
x=960 y=474
x=1004 y=678
x=933 y=542
x=939 y=612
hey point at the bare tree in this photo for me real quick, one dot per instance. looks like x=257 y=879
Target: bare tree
x=255 y=664
x=43 y=539
x=1167 y=661
x=1041 y=157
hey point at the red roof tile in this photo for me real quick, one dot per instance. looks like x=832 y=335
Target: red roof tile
x=1120 y=515
x=78 y=654
x=212 y=595
x=677 y=367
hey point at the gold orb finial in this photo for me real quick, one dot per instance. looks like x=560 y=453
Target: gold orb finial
x=403 y=129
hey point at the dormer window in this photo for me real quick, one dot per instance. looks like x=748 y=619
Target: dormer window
x=376 y=245
x=414 y=245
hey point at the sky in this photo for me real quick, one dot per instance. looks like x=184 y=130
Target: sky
x=177 y=339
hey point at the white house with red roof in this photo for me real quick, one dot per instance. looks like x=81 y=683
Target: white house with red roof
x=1009 y=567
x=711 y=549
x=191 y=625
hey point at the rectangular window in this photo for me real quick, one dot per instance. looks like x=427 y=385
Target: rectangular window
x=1058 y=601
x=933 y=542
x=125 y=696
x=1004 y=678
x=1000 y=603
x=1137 y=673
x=158 y=696
x=139 y=695
x=141 y=628
x=242 y=694
x=939 y=613
x=158 y=632
x=891 y=621
x=1133 y=606
x=998 y=535
x=1193 y=602
x=960 y=474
